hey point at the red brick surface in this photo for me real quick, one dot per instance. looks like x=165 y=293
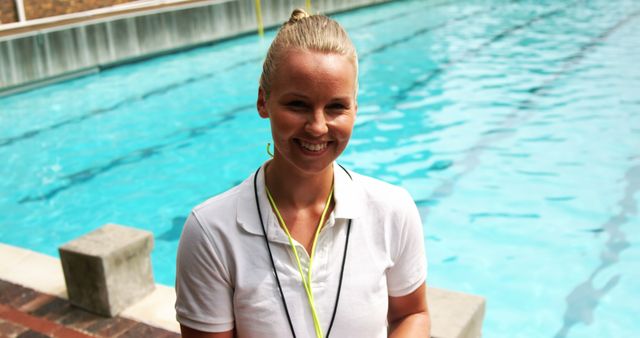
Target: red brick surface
x=32 y=334
x=53 y=310
x=9 y=329
x=36 y=303
x=43 y=8
x=8 y=12
x=111 y=327
x=36 y=324
x=27 y=313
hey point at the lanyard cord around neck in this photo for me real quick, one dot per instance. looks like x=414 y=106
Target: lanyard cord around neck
x=305 y=281
x=275 y=271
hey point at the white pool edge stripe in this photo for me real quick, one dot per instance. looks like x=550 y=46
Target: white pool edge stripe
x=44 y=274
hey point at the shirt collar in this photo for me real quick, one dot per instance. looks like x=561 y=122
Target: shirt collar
x=347 y=194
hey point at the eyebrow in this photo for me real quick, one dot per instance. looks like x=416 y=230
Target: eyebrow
x=339 y=98
x=294 y=94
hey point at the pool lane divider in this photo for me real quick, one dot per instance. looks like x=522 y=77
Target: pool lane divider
x=138 y=155
x=583 y=293
x=520 y=116
x=401 y=15
x=585 y=297
x=138 y=98
x=141 y=154
x=135 y=156
x=425 y=80
x=440 y=70
x=85 y=175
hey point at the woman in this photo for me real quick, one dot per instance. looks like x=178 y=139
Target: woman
x=304 y=247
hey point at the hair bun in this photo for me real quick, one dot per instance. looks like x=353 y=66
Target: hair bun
x=297 y=15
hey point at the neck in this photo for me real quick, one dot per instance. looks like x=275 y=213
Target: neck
x=292 y=188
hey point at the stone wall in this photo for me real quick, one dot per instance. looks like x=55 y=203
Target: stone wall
x=35 y=9
x=8 y=12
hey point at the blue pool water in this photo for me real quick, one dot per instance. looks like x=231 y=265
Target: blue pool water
x=514 y=125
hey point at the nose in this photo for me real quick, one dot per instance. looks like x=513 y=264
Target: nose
x=317 y=123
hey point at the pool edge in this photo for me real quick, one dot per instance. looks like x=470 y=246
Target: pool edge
x=44 y=274
x=453 y=314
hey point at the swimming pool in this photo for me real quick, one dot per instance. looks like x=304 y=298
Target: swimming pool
x=515 y=126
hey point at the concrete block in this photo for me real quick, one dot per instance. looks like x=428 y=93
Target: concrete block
x=108 y=269
x=455 y=314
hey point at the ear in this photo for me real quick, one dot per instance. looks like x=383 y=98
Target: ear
x=261 y=104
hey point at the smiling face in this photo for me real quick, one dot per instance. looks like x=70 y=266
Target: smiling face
x=312 y=108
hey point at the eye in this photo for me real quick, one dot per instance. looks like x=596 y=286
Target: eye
x=296 y=104
x=337 y=106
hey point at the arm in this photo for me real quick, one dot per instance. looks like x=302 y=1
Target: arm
x=188 y=332
x=409 y=315
x=204 y=295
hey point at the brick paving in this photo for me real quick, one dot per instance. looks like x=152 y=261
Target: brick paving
x=35 y=9
x=61 y=22
x=26 y=313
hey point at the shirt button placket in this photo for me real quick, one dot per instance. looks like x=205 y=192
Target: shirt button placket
x=320 y=263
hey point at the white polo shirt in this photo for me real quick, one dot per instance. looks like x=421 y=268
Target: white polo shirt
x=225 y=278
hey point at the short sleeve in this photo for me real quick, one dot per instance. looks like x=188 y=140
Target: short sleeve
x=409 y=269
x=204 y=294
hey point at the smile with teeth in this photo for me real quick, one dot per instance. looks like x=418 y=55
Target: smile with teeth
x=315 y=147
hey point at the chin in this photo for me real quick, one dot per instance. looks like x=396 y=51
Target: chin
x=309 y=168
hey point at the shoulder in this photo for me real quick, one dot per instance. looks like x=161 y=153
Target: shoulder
x=210 y=230
x=380 y=193
x=225 y=200
x=222 y=208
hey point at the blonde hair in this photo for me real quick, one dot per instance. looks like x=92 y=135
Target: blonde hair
x=307 y=32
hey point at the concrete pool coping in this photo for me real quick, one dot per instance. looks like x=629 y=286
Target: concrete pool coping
x=43 y=273
x=453 y=314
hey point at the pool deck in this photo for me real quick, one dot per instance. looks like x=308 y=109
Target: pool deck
x=25 y=312
x=33 y=303
x=116 y=11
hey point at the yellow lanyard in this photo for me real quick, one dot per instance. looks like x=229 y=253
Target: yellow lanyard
x=305 y=281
